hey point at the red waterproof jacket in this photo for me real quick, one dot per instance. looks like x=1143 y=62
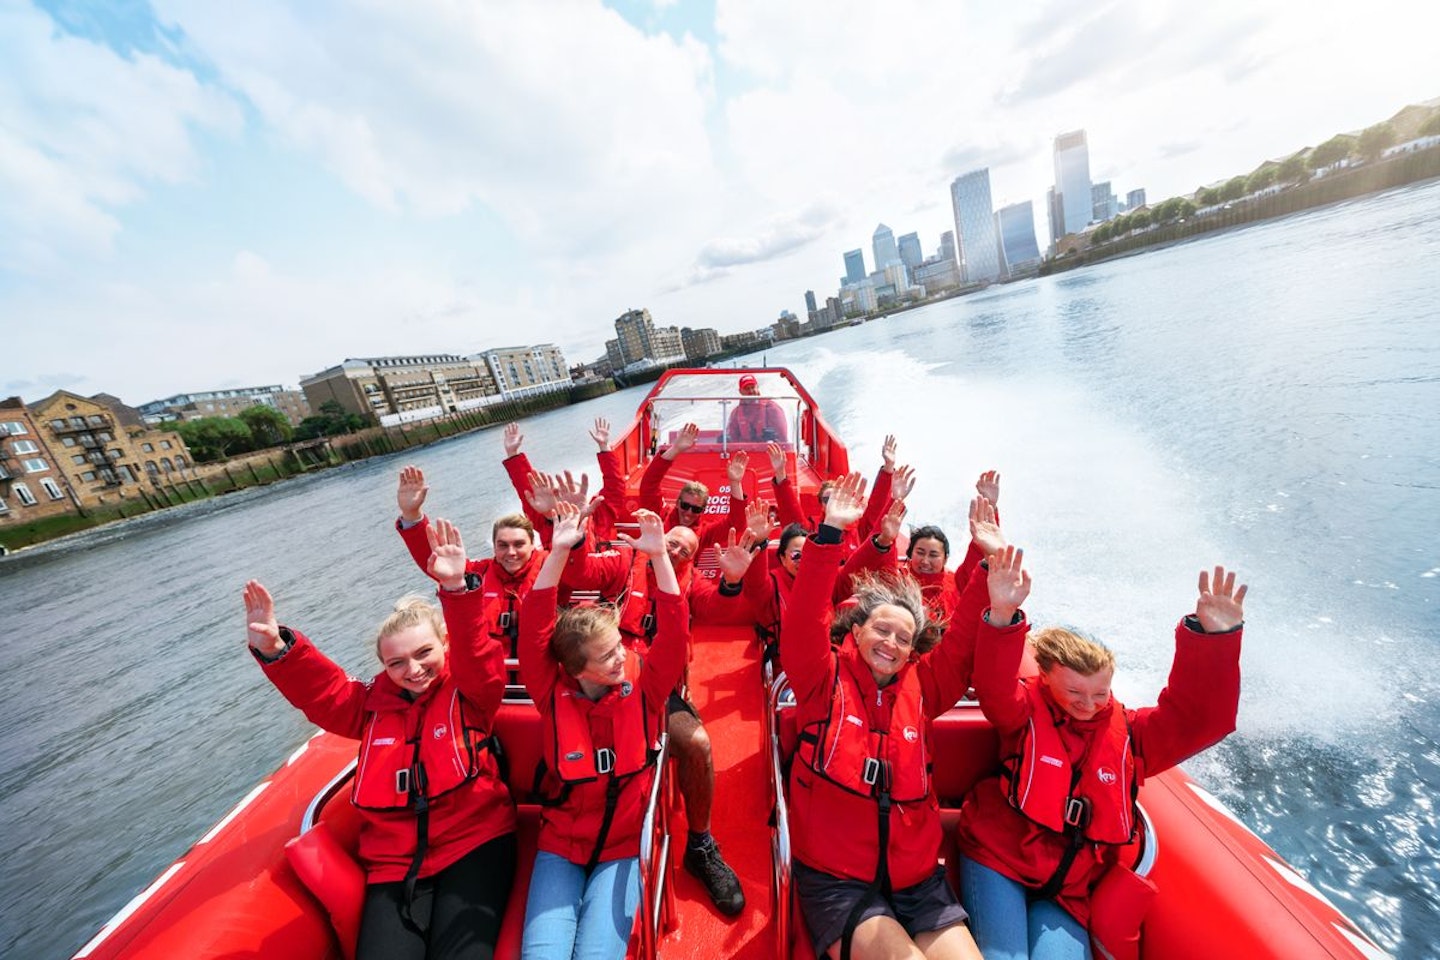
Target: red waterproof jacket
x=756 y=420
x=832 y=829
x=712 y=527
x=500 y=590
x=462 y=819
x=1195 y=710
x=570 y=829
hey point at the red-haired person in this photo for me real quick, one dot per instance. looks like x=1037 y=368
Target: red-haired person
x=437 y=826
x=1040 y=872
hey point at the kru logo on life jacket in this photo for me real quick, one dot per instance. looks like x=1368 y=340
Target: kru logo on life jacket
x=1097 y=799
x=439 y=732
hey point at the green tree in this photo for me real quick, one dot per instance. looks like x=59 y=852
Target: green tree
x=1168 y=211
x=1292 y=170
x=1261 y=178
x=268 y=426
x=1431 y=127
x=1207 y=196
x=1374 y=140
x=331 y=421
x=1332 y=151
x=1140 y=219
x=215 y=438
x=1185 y=209
x=1233 y=189
x=1100 y=234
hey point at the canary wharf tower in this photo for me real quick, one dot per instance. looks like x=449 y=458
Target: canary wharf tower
x=1072 y=182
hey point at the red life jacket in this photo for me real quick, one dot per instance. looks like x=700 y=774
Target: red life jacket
x=502 y=592
x=397 y=766
x=1054 y=793
x=637 y=613
x=571 y=751
x=847 y=749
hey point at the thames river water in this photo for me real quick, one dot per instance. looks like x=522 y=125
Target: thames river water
x=1268 y=399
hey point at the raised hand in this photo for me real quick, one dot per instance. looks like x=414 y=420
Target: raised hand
x=847 y=501
x=757 y=518
x=735 y=471
x=1221 y=605
x=447 y=555
x=600 y=433
x=890 y=523
x=571 y=492
x=410 y=494
x=776 y=453
x=903 y=484
x=569 y=529
x=988 y=486
x=542 y=493
x=1009 y=584
x=262 y=632
x=686 y=438
x=734 y=557
x=887 y=454
x=513 y=439
x=985 y=527
x=651 y=541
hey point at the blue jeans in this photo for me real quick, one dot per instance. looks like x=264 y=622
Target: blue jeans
x=1008 y=926
x=568 y=917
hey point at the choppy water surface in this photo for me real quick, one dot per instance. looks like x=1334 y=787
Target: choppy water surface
x=1266 y=399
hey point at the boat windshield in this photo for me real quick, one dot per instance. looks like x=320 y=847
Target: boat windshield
x=728 y=419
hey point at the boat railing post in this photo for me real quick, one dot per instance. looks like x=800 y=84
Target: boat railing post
x=653 y=869
x=780 y=837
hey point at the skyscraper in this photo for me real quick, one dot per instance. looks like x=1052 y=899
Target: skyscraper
x=975 y=227
x=854 y=266
x=810 y=307
x=947 y=245
x=1016 y=224
x=1135 y=199
x=910 y=254
x=883 y=243
x=1104 y=205
x=1072 y=182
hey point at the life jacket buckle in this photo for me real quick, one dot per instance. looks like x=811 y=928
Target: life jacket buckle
x=871 y=774
x=402 y=781
x=504 y=620
x=647 y=622
x=604 y=760
x=1077 y=812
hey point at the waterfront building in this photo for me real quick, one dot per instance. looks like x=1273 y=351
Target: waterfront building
x=1055 y=219
x=1135 y=199
x=947 y=246
x=747 y=340
x=938 y=274
x=882 y=242
x=810 y=306
x=975 y=227
x=226 y=403
x=898 y=277
x=395 y=389
x=1072 y=183
x=83 y=451
x=909 y=247
x=788 y=328
x=854 y=266
x=1016 y=226
x=699 y=343
x=1104 y=205
x=641 y=342
x=30 y=482
x=862 y=296
x=525 y=371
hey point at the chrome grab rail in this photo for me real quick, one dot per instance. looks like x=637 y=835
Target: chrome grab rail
x=653 y=889
x=781 y=864
x=312 y=811
x=1151 y=850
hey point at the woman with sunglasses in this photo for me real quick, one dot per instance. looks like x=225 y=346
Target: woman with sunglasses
x=865 y=821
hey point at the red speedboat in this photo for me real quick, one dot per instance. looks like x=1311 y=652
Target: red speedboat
x=235 y=893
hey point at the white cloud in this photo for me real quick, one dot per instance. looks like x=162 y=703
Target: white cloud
x=83 y=135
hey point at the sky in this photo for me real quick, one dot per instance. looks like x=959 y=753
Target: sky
x=199 y=196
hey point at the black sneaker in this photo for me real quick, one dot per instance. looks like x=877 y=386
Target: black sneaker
x=707 y=865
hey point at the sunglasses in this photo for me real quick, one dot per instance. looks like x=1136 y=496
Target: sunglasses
x=794 y=555
x=690 y=507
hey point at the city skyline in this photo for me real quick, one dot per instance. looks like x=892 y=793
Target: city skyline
x=200 y=199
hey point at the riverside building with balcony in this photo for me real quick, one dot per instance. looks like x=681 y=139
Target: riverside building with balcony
x=391 y=390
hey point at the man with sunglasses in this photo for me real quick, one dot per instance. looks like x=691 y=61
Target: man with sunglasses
x=694 y=496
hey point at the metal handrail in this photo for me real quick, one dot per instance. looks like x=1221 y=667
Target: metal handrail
x=1151 y=849
x=312 y=811
x=781 y=858
x=653 y=888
